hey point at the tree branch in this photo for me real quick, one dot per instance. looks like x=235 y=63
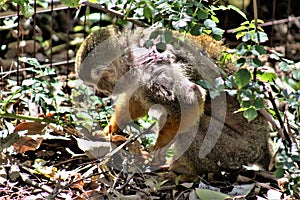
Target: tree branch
x=115 y=13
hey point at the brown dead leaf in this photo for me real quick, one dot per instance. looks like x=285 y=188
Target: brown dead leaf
x=27 y=144
x=78 y=182
x=32 y=127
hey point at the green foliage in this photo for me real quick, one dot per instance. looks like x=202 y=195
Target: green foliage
x=88 y=110
x=71 y=3
x=44 y=93
x=286 y=166
x=26 y=8
x=259 y=84
x=250 y=31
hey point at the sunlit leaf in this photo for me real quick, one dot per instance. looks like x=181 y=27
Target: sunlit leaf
x=260 y=37
x=296 y=74
x=247 y=37
x=209 y=23
x=238 y=11
x=285 y=66
x=215 y=19
x=217 y=31
x=240 y=34
x=240 y=28
x=267 y=76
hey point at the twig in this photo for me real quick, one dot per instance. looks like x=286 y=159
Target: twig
x=35 y=184
x=115 y=13
x=55 y=191
x=272 y=121
x=286 y=135
x=110 y=154
x=275 y=22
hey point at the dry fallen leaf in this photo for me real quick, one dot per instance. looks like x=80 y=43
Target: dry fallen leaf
x=27 y=144
x=94 y=149
x=32 y=127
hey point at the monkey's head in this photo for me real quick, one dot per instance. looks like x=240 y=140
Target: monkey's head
x=96 y=61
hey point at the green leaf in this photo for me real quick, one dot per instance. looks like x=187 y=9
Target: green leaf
x=266 y=76
x=71 y=3
x=213 y=93
x=240 y=28
x=26 y=9
x=250 y=114
x=285 y=66
x=258 y=50
x=217 y=37
x=258 y=104
x=236 y=9
x=209 y=23
x=288 y=61
x=209 y=194
x=276 y=55
x=296 y=74
x=240 y=34
x=161 y=46
x=219 y=83
x=167 y=36
x=242 y=49
x=279 y=173
x=247 y=37
x=179 y=24
x=240 y=62
x=154 y=34
x=148 y=13
x=255 y=62
x=148 y=44
x=195 y=30
x=204 y=84
x=31 y=61
x=230 y=82
x=242 y=77
x=245 y=23
x=202 y=14
x=217 y=31
x=260 y=37
x=215 y=19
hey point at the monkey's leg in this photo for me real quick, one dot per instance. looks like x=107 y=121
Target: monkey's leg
x=167 y=133
x=174 y=121
x=120 y=117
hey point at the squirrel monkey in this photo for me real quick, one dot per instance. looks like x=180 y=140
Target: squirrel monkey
x=123 y=64
x=119 y=64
